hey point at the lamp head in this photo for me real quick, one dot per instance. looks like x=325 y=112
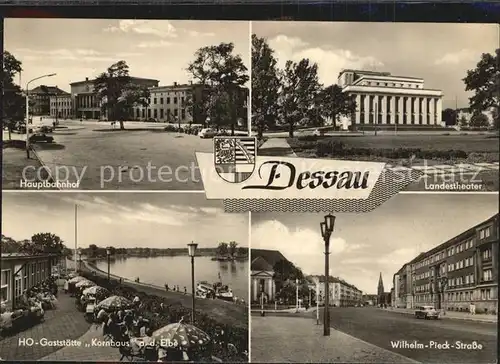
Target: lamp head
x=323 y=229
x=108 y=251
x=192 y=249
x=330 y=222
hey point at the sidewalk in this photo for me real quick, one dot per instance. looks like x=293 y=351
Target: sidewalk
x=300 y=340
x=450 y=315
x=276 y=147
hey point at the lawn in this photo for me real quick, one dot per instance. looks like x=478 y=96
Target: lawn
x=476 y=147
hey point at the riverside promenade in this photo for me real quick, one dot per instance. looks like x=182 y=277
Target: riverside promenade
x=228 y=313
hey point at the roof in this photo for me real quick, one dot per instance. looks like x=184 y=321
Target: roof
x=47 y=90
x=131 y=78
x=377 y=73
x=261 y=265
x=270 y=256
x=17 y=256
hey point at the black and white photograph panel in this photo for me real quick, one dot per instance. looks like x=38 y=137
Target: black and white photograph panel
x=123 y=277
x=414 y=96
x=119 y=104
x=415 y=281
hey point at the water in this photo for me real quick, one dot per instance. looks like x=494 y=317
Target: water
x=177 y=271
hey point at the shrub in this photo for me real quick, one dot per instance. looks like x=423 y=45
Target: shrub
x=169 y=128
x=307 y=138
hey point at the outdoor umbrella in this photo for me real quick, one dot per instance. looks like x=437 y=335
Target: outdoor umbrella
x=84 y=284
x=97 y=291
x=186 y=336
x=114 y=303
x=77 y=279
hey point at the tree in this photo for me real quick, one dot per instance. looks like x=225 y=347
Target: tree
x=232 y=248
x=335 y=103
x=222 y=249
x=116 y=93
x=223 y=73
x=479 y=120
x=450 y=116
x=265 y=85
x=14 y=103
x=9 y=245
x=92 y=251
x=463 y=122
x=299 y=91
x=43 y=243
x=484 y=81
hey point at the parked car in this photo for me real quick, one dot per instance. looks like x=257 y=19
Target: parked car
x=45 y=129
x=207 y=133
x=41 y=137
x=426 y=312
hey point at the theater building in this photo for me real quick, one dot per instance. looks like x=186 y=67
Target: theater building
x=20 y=272
x=262 y=274
x=85 y=103
x=61 y=106
x=461 y=271
x=388 y=101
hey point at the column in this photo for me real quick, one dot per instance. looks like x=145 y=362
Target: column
x=417 y=110
x=400 y=109
x=424 y=111
x=358 y=110
x=392 y=114
x=432 y=120
x=439 y=111
x=408 y=110
x=384 y=110
x=367 y=109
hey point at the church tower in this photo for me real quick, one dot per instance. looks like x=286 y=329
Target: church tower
x=380 y=290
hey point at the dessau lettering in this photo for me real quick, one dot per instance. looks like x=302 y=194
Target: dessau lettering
x=347 y=180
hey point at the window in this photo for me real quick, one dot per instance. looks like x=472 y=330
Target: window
x=149 y=113
x=155 y=113
x=176 y=113
x=183 y=114
x=487 y=275
x=175 y=100
x=487 y=254
x=484 y=233
x=143 y=113
x=162 y=113
x=161 y=100
x=168 y=100
x=4 y=285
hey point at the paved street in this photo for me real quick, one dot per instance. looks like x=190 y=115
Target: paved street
x=300 y=340
x=109 y=158
x=381 y=327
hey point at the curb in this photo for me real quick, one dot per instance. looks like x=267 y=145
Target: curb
x=50 y=179
x=450 y=318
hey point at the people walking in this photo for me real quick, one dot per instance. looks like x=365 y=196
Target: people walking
x=185 y=290
x=166 y=287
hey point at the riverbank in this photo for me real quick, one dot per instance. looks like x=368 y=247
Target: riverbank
x=227 y=313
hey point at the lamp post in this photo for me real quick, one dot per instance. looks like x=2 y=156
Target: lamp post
x=108 y=254
x=296 y=295
x=28 y=111
x=326 y=232
x=192 y=252
x=317 y=303
x=80 y=260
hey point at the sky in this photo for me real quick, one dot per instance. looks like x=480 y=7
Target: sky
x=80 y=48
x=365 y=245
x=123 y=220
x=441 y=54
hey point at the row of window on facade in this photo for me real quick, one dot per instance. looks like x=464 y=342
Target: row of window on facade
x=393 y=84
x=487 y=276
x=485 y=294
x=30 y=275
x=141 y=113
x=168 y=100
x=469 y=244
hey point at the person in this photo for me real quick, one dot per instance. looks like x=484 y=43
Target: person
x=121 y=315
x=185 y=290
x=136 y=300
x=472 y=308
x=166 y=287
x=66 y=286
x=162 y=354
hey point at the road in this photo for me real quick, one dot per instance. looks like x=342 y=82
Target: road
x=381 y=327
x=141 y=157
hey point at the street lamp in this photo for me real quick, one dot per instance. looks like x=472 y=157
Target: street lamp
x=108 y=254
x=192 y=252
x=28 y=111
x=79 y=259
x=296 y=295
x=317 y=303
x=326 y=232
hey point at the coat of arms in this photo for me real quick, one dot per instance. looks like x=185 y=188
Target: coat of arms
x=235 y=157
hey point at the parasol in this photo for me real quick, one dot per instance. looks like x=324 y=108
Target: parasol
x=84 y=284
x=114 y=303
x=97 y=291
x=186 y=336
x=77 y=279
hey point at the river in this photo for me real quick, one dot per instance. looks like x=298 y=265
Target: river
x=177 y=271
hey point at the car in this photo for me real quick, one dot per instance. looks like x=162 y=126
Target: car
x=41 y=137
x=45 y=129
x=426 y=312
x=207 y=133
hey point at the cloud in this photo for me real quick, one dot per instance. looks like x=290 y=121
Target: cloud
x=333 y=60
x=159 y=28
x=194 y=33
x=464 y=55
x=154 y=44
x=85 y=55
